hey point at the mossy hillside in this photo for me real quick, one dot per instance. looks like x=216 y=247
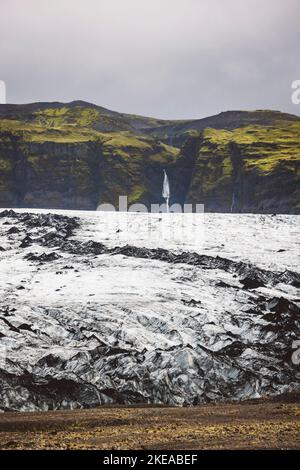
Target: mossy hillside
x=63 y=173
x=261 y=147
x=80 y=117
x=6 y=171
x=71 y=166
x=68 y=154
x=50 y=167
x=79 y=114
x=36 y=132
x=259 y=163
x=177 y=132
x=213 y=170
x=133 y=166
x=173 y=132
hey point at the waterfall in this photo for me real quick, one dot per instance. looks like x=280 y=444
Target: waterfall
x=232 y=201
x=166 y=190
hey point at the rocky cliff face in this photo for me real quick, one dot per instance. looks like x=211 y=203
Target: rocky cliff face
x=80 y=173
x=251 y=169
x=77 y=156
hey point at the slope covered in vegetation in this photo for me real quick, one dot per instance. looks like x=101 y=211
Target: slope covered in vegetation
x=249 y=169
x=78 y=155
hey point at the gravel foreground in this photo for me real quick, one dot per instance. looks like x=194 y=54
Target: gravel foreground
x=251 y=425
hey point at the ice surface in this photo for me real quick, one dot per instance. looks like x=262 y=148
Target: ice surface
x=87 y=329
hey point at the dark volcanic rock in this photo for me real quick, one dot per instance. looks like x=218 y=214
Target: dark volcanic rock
x=8 y=213
x=284 y=317
x=289 y=277
x=281 y=305
x=252 y=281
x=43 y=258
x=27 y=241
x=13 y=230
x=223 y=284
x=233 y=350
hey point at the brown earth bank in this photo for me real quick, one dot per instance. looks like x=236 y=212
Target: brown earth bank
x=261 y=424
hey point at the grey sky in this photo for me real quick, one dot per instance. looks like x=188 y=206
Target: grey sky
x=165 y=58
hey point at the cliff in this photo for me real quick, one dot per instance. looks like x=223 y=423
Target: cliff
x=250 y=169
x=77 y=155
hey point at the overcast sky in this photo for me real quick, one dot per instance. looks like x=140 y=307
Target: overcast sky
x=165 y=58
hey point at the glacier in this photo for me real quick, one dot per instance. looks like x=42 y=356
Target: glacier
x=133 y=308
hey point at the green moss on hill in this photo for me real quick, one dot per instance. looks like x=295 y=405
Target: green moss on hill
x=79 y=155
x=260 y=164
x=66 y=162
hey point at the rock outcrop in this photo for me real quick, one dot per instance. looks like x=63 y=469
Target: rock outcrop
x=78 y=156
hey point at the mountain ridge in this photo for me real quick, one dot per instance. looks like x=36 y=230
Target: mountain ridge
x=79 y=155
x=219 y=119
